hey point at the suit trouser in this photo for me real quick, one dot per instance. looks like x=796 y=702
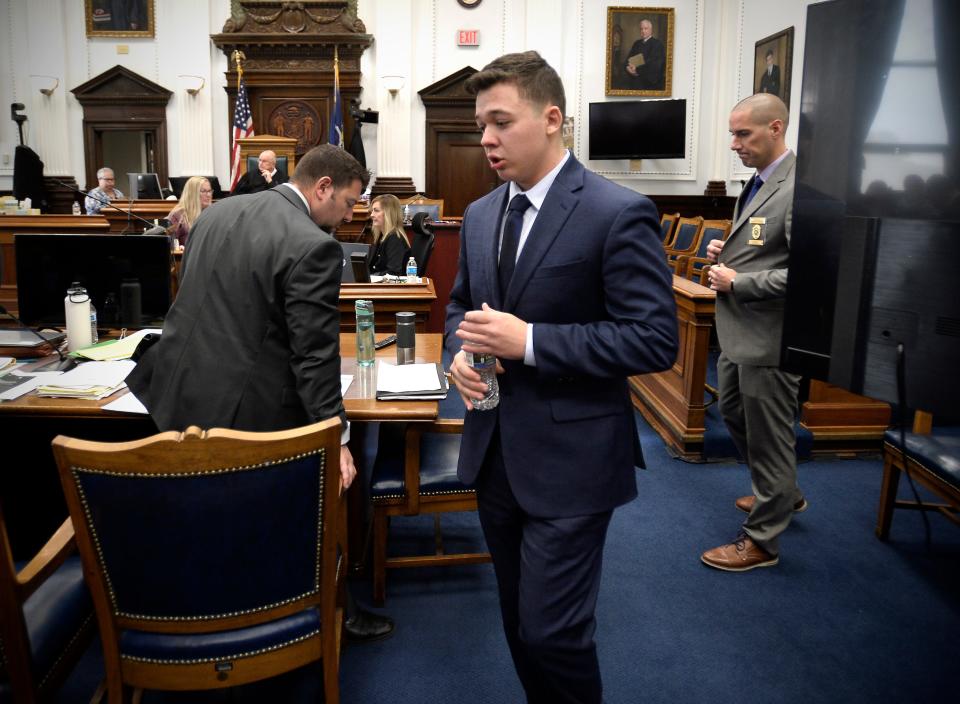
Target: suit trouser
x=548 y=576
x=759 y=406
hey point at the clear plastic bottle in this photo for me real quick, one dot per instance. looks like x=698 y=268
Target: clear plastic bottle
x=94 y=337
x=411 y=268
x=365 y=349
x=76 y=208
x=486 y=366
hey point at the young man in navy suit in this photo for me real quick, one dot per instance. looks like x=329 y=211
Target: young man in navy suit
x=571 y=293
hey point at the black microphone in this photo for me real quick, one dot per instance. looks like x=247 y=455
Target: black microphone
x=63 y=364
x=154 y=229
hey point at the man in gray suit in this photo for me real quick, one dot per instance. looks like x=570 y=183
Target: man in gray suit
x=253 y=340
x=758 y=401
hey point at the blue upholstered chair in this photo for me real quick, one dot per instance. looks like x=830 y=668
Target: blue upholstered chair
x=213 y=557
x=694 y=266
x=253 y=164
x=687 y=239
x=46 y=617
x=668 y=227
x=932 y=459
x=416 y=473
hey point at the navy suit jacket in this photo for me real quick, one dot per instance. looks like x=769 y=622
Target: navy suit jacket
x=593 y=280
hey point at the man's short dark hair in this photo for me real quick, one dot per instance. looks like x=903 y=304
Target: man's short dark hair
x=328 y=160
x=535 y=79
x=769 y=53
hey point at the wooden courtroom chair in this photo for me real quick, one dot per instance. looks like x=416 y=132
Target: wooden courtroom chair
x=687 y=239
x=424 y=482
x=214 y=557
x=46 y=617
x=931 y=459
x=694 y=266
x=668 y=227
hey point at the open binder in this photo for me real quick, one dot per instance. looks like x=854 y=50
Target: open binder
x=411 y=382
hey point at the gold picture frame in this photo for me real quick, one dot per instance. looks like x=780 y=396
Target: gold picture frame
x=640 y=51
x=774 y=77
x=119 y=18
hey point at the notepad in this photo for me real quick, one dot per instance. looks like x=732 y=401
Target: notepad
x=411 y=382
x=116 y=349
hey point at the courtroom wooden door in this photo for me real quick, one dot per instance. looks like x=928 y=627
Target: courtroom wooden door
x=462 y=171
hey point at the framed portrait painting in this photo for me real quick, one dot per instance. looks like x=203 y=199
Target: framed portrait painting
x=119 y=18
x=640 y=51
x=773 y=64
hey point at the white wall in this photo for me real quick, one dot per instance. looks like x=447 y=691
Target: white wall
x=713 y=65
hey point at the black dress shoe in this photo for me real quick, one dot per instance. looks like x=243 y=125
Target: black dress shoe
x=367 y=627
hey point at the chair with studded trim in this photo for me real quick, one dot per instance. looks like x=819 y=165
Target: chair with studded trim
x=423 y=481
x=214 y=557
x=46 y=617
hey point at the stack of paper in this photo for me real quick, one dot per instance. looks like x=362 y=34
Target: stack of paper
x=116 y=349
x=91 y=381
x=411 y=382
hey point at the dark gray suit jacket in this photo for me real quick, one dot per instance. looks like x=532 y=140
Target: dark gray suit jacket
x=593 y=280
x=252 y=340
x=750 y=321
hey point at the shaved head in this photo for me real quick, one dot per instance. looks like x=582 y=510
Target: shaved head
x=764 y=108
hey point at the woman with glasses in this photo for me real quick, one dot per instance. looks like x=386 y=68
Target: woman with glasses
x=196 y=197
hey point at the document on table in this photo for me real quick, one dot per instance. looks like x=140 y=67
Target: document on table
x=91 y=380
x=32 y=382
x=117 y=349
x=411 y=382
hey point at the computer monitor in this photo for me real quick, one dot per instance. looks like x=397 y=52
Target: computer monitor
x=48 y=264
x=349 y=250
x=178 y=182
x=144 y=186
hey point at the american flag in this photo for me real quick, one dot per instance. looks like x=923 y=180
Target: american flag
x=242 y=127
x=336 y=119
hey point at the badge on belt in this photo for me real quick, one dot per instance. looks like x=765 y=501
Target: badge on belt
x=756 y=231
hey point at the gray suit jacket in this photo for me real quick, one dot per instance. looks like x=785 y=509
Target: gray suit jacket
x=252 y=340
x=750 y=319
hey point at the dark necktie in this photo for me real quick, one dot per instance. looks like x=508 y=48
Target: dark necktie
x=511 y=239
x=757 y=184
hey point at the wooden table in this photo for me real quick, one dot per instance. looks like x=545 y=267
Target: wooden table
x=30 y=488
x=388 y=300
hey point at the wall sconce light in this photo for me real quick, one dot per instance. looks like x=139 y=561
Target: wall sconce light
x=49 y=90
x=393 y=84
x=193 y=91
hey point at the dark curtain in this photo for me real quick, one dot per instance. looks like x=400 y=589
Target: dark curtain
x=946 y=20
x=28 y=177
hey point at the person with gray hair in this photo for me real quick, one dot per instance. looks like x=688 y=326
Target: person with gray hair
x=105 y=191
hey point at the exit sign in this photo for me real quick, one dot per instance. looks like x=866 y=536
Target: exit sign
x=468 y=37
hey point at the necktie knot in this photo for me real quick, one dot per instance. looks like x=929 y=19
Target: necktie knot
x=757 y=184
x=519 y=203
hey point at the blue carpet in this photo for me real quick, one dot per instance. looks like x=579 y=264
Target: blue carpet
x=842 y=618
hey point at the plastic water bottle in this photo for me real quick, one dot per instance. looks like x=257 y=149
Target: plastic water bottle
x=486 y=367
x=94 y=337
x=77 y=313
x=365 y=349
x=76 y=208
x=411 y=268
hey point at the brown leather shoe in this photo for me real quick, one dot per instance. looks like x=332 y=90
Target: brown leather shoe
x=745 y=504
x=739 y=556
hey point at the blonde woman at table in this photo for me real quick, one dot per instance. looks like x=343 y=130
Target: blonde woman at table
x=196 y=197
x=391 y=248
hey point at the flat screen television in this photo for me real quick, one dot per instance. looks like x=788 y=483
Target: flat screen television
x=178 y=182
x=638 y=129
x=48 y=264
x=144 y=186
x=876 y=213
